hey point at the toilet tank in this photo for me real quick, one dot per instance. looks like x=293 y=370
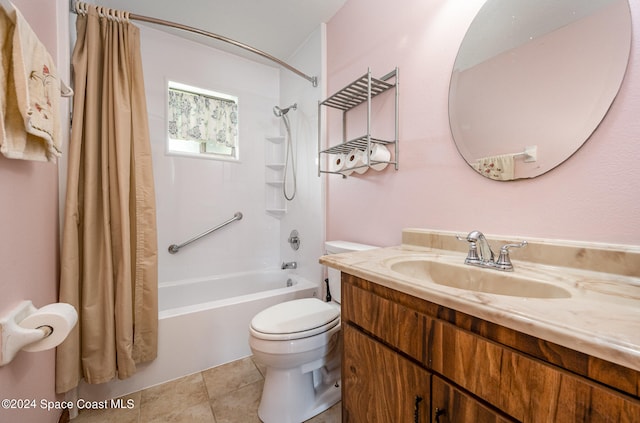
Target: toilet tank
x=336 y=247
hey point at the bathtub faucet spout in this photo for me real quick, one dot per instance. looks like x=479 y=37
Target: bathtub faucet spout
x=289 y=265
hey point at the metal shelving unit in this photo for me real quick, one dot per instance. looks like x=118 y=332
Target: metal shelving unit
x=360 y=91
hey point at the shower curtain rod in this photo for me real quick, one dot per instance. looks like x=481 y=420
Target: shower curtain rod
x=142 y=18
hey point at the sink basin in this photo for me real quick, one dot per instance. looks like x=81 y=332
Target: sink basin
x=471 y=278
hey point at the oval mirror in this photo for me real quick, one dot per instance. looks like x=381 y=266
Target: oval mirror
x=532 y=81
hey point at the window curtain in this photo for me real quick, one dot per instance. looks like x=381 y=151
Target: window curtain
x=109 y=243
x=195 y=117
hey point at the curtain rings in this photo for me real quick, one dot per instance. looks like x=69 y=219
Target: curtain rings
x=113 y=15
x=123 y=16
x=81 y=8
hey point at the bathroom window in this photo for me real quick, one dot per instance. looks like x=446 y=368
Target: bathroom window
x=201 y=123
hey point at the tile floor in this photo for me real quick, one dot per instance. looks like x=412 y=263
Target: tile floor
x=225 y=394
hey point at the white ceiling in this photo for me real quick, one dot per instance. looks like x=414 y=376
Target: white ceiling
x=277 y=27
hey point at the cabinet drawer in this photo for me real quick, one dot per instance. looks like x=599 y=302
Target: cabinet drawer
x=395 y=324
x=524 y=388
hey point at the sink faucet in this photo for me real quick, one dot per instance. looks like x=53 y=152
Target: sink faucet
x=485 y=251
x=481 y=254
x=289 y=265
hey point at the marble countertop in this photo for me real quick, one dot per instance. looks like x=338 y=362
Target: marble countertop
x=600 y=318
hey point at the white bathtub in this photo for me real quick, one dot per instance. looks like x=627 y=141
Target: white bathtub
x=204 y=323
x=192 y=295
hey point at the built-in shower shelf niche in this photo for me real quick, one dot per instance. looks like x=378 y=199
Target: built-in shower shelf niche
x=274 y=155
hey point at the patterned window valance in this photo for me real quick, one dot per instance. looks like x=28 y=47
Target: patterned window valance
x=205 y=117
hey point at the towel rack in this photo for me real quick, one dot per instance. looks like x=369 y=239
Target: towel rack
x=530 y=154
x=174 y=248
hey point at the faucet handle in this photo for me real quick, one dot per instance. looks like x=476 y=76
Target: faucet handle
x=518 y=245
x=504 y=261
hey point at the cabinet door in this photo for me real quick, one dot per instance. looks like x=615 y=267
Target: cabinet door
x=379 y=385
x=450 y=405
x=526 y=389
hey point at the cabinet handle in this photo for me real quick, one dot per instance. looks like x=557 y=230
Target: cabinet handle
x=416 y=409
x=440 y=412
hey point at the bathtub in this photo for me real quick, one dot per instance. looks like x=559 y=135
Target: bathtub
x=204 y=323
x=192 y=295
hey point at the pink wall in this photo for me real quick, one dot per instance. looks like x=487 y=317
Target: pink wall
x=593 y=196
x=29 y=248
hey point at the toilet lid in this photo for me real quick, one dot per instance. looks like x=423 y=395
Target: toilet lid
x=295 y=316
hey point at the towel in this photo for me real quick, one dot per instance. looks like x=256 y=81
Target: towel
x=499 y=168
x=30 y=109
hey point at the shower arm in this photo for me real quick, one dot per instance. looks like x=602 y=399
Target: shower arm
x=142 y=18
x=174 y=248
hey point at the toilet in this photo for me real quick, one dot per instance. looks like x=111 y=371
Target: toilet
x=299 y=344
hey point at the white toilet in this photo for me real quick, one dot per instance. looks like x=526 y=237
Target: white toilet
x=298 y=342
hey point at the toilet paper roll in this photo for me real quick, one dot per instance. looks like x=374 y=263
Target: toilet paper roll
x=337 y=162
x=349 y=162
x=60 y=317
x=379 y=153
x=356 y=158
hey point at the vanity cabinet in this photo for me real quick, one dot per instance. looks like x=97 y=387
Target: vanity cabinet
x=398 y=348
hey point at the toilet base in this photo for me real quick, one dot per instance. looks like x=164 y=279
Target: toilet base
x=297 y=397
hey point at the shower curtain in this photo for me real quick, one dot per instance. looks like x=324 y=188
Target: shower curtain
x=109 y=243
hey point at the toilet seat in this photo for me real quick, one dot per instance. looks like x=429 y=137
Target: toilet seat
x=295 y=319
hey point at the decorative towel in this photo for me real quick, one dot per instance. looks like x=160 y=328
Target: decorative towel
x=30 y=110
x=499 y=168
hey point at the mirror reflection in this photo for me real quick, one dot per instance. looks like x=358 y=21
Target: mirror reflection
x=533 y=80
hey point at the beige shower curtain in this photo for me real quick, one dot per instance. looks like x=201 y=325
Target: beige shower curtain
x=109 y=245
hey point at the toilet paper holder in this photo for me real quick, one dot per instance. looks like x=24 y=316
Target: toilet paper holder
x=14 y=337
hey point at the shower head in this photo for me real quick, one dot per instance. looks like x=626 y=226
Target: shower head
x=281 y=112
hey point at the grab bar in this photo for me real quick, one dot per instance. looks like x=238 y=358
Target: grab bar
x=173 y=248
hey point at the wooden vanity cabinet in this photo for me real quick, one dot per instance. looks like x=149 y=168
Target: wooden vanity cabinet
x=409 y=360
